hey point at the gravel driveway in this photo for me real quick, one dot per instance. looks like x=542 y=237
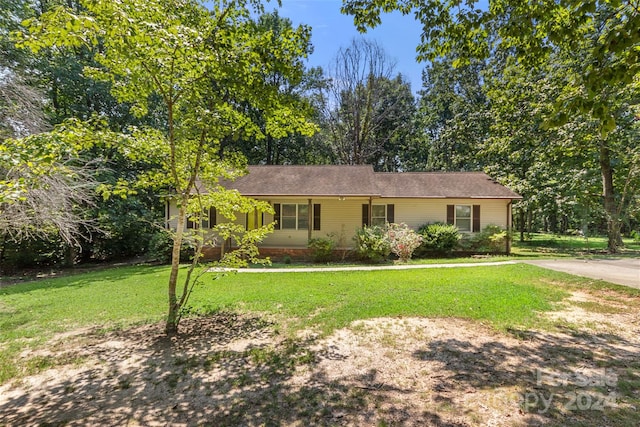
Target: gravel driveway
x=623 y=271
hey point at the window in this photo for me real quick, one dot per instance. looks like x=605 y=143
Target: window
x=380 y=214
x=463 y=217
x=206 y=220
x=294 y=217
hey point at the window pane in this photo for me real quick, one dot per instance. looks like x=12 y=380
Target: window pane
x=463 y=211
x=378 y=211
x=463 y=224
x=289 y=223
x=377 y=221
x=303 y=223
x=303 y=210
x=288 y=210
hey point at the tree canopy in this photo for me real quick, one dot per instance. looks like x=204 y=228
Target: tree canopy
x=202 y=65
x=530 y=31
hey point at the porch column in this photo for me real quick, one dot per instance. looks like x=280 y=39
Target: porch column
x=370 y=214
x=309 y=218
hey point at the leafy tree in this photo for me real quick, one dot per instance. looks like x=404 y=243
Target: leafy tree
x=368 y=112
x=201 y=65
x=276 y=147
x=453 y=116
x=602 y=34
x=44 y=183
x=531 y=31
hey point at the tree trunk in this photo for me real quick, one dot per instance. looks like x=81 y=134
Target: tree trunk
x=522 y=224
x=174 y=306
x=613 y=220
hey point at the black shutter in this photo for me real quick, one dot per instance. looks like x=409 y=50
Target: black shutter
x=476 y=218
x=451 y=209
x=365 y=215
x=276 y=215
x=391 y=217
x=316 y=216
x=212 y=217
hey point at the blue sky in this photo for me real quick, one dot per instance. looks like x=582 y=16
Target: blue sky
x=398 y=35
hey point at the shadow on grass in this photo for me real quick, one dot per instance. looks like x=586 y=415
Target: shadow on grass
x=229 y=369
x=77 y=278
x=214 y=373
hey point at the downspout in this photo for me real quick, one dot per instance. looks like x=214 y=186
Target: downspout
x=509 y=227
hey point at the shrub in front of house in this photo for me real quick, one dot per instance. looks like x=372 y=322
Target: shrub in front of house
x=491 y=239
x=372 y=243
x=322 y=248
x=403 y=240
x=438 y=238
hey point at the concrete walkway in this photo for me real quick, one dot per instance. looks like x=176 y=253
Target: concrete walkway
x=622 y=271
x=372 y=267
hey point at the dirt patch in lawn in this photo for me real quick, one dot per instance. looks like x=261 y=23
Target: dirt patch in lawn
x=230 y=369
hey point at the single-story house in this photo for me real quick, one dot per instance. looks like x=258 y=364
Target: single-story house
x=317 y=201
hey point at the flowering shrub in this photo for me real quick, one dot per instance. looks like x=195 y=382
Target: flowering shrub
x=372 y=243
x=403 y=240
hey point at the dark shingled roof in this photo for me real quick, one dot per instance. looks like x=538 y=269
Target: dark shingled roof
x=331 y=180
x=477 y=185
x=325 y=180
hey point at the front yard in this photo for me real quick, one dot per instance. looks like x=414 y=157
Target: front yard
x=489 y=345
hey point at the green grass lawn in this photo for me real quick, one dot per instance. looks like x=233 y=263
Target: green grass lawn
x=545 y=244
x=504 y=297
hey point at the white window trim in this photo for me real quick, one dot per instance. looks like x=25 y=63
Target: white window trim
x=470 y=217
x=378 y=217
x=282 y=216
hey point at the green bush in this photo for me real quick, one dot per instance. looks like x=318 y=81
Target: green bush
x=161 y=245
x=491 y=239
x=635 y=235
x=372 y=243
x=438 y=238
x=322 y=248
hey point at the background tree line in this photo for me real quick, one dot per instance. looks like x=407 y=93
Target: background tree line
x=571 y=148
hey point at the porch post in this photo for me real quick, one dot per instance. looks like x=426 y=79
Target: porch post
x=309 y=219
x=370 y=213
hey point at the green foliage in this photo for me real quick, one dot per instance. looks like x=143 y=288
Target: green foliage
x=322 y=248
x=160 y=244
x=491 y=239
x=453 y=114
x=529 y=32
x=47 y=251
x=635 y=235
x=403 y=240
x=438 y=238
x=203 y=66
x=372 y=243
